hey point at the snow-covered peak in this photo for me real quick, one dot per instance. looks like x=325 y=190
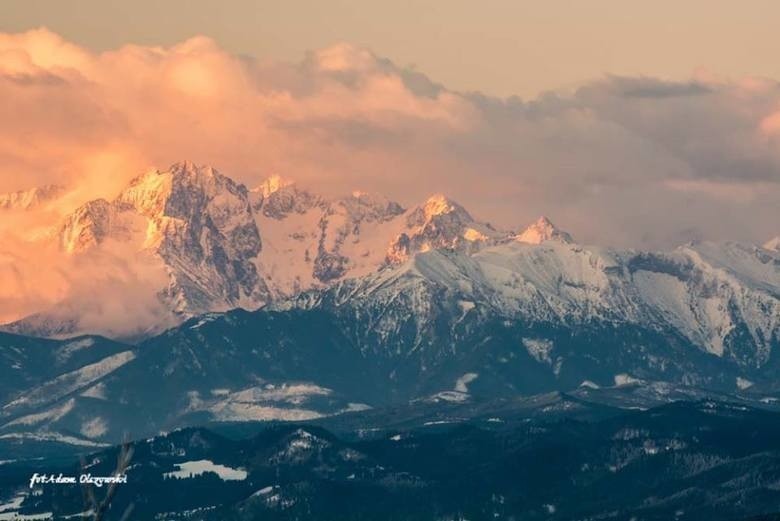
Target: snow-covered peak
x=277 y=198
x=189 y=169
x=369 y=206
x=148 y=192
x=773 y=244
x=441 y=223
x=542 y=230
x=271 y=185
x=26 y=199
x=193 y=219
x=439 y=212
x=439 y=204
x=184 y=186
x=202 y=182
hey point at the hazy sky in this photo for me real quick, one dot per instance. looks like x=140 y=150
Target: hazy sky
x=500 y=47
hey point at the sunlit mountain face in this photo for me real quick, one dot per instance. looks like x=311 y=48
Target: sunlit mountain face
x=356 y=292
x=307 y=349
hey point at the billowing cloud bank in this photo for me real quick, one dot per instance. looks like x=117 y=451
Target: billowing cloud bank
x=623 y=161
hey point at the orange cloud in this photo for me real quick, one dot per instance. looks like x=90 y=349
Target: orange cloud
x=153 y=105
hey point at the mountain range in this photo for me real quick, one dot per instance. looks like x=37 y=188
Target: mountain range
x=354 y=303
x=375 y=334
x=223 y=246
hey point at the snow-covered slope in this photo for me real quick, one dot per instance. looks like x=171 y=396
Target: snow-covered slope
x=722 y=298
x=310 y=241
x=542 y=230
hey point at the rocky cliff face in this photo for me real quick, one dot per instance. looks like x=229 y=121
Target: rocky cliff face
x=441 y=223
x=198 y=221
x=313 y=242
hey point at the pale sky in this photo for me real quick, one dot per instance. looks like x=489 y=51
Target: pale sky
x=499 y=47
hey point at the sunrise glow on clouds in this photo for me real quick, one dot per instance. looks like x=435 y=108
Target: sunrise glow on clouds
x=625 y=161
x=343 y=118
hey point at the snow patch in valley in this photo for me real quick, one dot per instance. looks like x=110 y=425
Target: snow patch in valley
x=623 y=379
x=743 y=383
x=265 y=490
x=448 y=396
x=94 y=428
x=253 y=412
x=70 y=382
x=51 y=415
x=15 y=503
x=10 y=511
x=191 y=469
x=539 y=349
x=440 y=422
x=47 y=436
x=466 y=306
x=356 y=407
x=269 y=402
x=461 y=385
x=97 y=391
x=67 y=350
x=264 y=403
x=205 y=319
x=294 y=394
